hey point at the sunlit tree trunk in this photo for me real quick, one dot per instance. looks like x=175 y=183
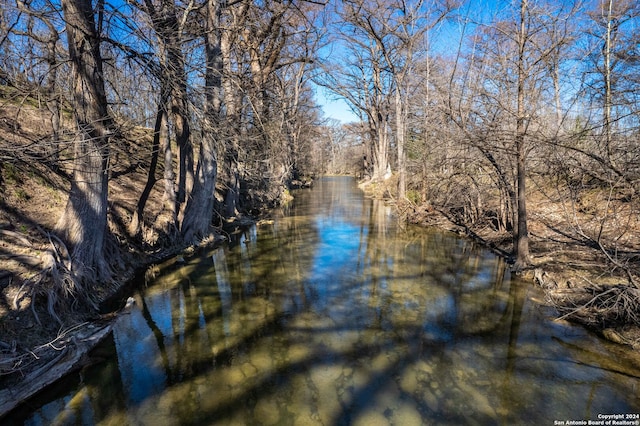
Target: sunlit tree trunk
x=400 y=132
x=233 y=125
x=378 y=116
x=199 y=208
x=84 y=222
x=521 y=243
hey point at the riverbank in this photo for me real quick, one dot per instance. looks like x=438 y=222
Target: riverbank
x=41 y=337
x=31 y=345
x=589 y=282
x=42 y=351
x=333 y=302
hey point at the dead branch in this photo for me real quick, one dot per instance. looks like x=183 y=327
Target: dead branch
x=17 y=236
x=58 y=357
x=598 y=305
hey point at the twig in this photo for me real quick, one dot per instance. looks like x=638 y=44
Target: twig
x=16 y=235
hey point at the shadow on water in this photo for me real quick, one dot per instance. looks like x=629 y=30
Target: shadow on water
x=332 y=316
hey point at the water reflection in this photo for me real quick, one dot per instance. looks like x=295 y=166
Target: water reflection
x=333 y=316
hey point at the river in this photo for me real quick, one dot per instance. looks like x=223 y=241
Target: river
x=333 y=315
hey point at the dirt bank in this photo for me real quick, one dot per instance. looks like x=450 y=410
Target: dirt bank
x=588 y=280
x=41 y=341
x=579 y=278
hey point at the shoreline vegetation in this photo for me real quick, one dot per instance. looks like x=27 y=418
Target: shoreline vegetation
x=582 y=281
x=36 y=349
x=130 y=133
x=578 y=281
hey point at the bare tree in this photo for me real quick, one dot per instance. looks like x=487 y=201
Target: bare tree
x=168 y=22
x=381 y=40
x=612 y=63
x=233 y=89
x=402 y=37
x=264 y=45
x=32 y=44
x=199 y=209
x=359 y=75
x=505 y=114
x=83 y=224
x=53 y=99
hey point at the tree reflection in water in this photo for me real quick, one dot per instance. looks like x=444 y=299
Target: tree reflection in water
x=332 y=315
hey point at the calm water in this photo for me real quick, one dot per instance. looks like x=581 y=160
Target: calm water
x=332 y=315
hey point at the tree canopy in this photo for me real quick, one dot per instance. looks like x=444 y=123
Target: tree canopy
x=465 y=105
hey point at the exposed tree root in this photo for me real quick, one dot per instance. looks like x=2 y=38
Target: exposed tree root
x=598 y=305
x=57 y=290
x=47 y=363
x=614 y=310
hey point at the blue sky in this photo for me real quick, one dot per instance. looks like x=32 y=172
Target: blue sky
x=444 y=40
x=337 y=108
x=334 y=108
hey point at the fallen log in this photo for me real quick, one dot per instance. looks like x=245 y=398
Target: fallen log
x=70 y=354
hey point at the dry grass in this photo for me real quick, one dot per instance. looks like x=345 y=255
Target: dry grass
x=33 y=194
x=567 y=238
x=584 y=253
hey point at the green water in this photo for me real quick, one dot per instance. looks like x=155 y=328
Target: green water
x=331 y=315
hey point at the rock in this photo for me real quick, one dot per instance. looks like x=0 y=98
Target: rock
x=614 y=336
x=130 y=302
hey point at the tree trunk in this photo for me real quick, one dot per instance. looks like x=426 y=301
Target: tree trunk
x=70 y=356
x=164 y=19
x=521 y=243
x=84 y=222
x=199 y=208
x=159 y=133
x=522 y=239
x=555 y=74
x=180 y=113
x=381 y=167
x=378 y=126
x=400 y=127
x=169 y=197
x=606 y=74
x=231 y=156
